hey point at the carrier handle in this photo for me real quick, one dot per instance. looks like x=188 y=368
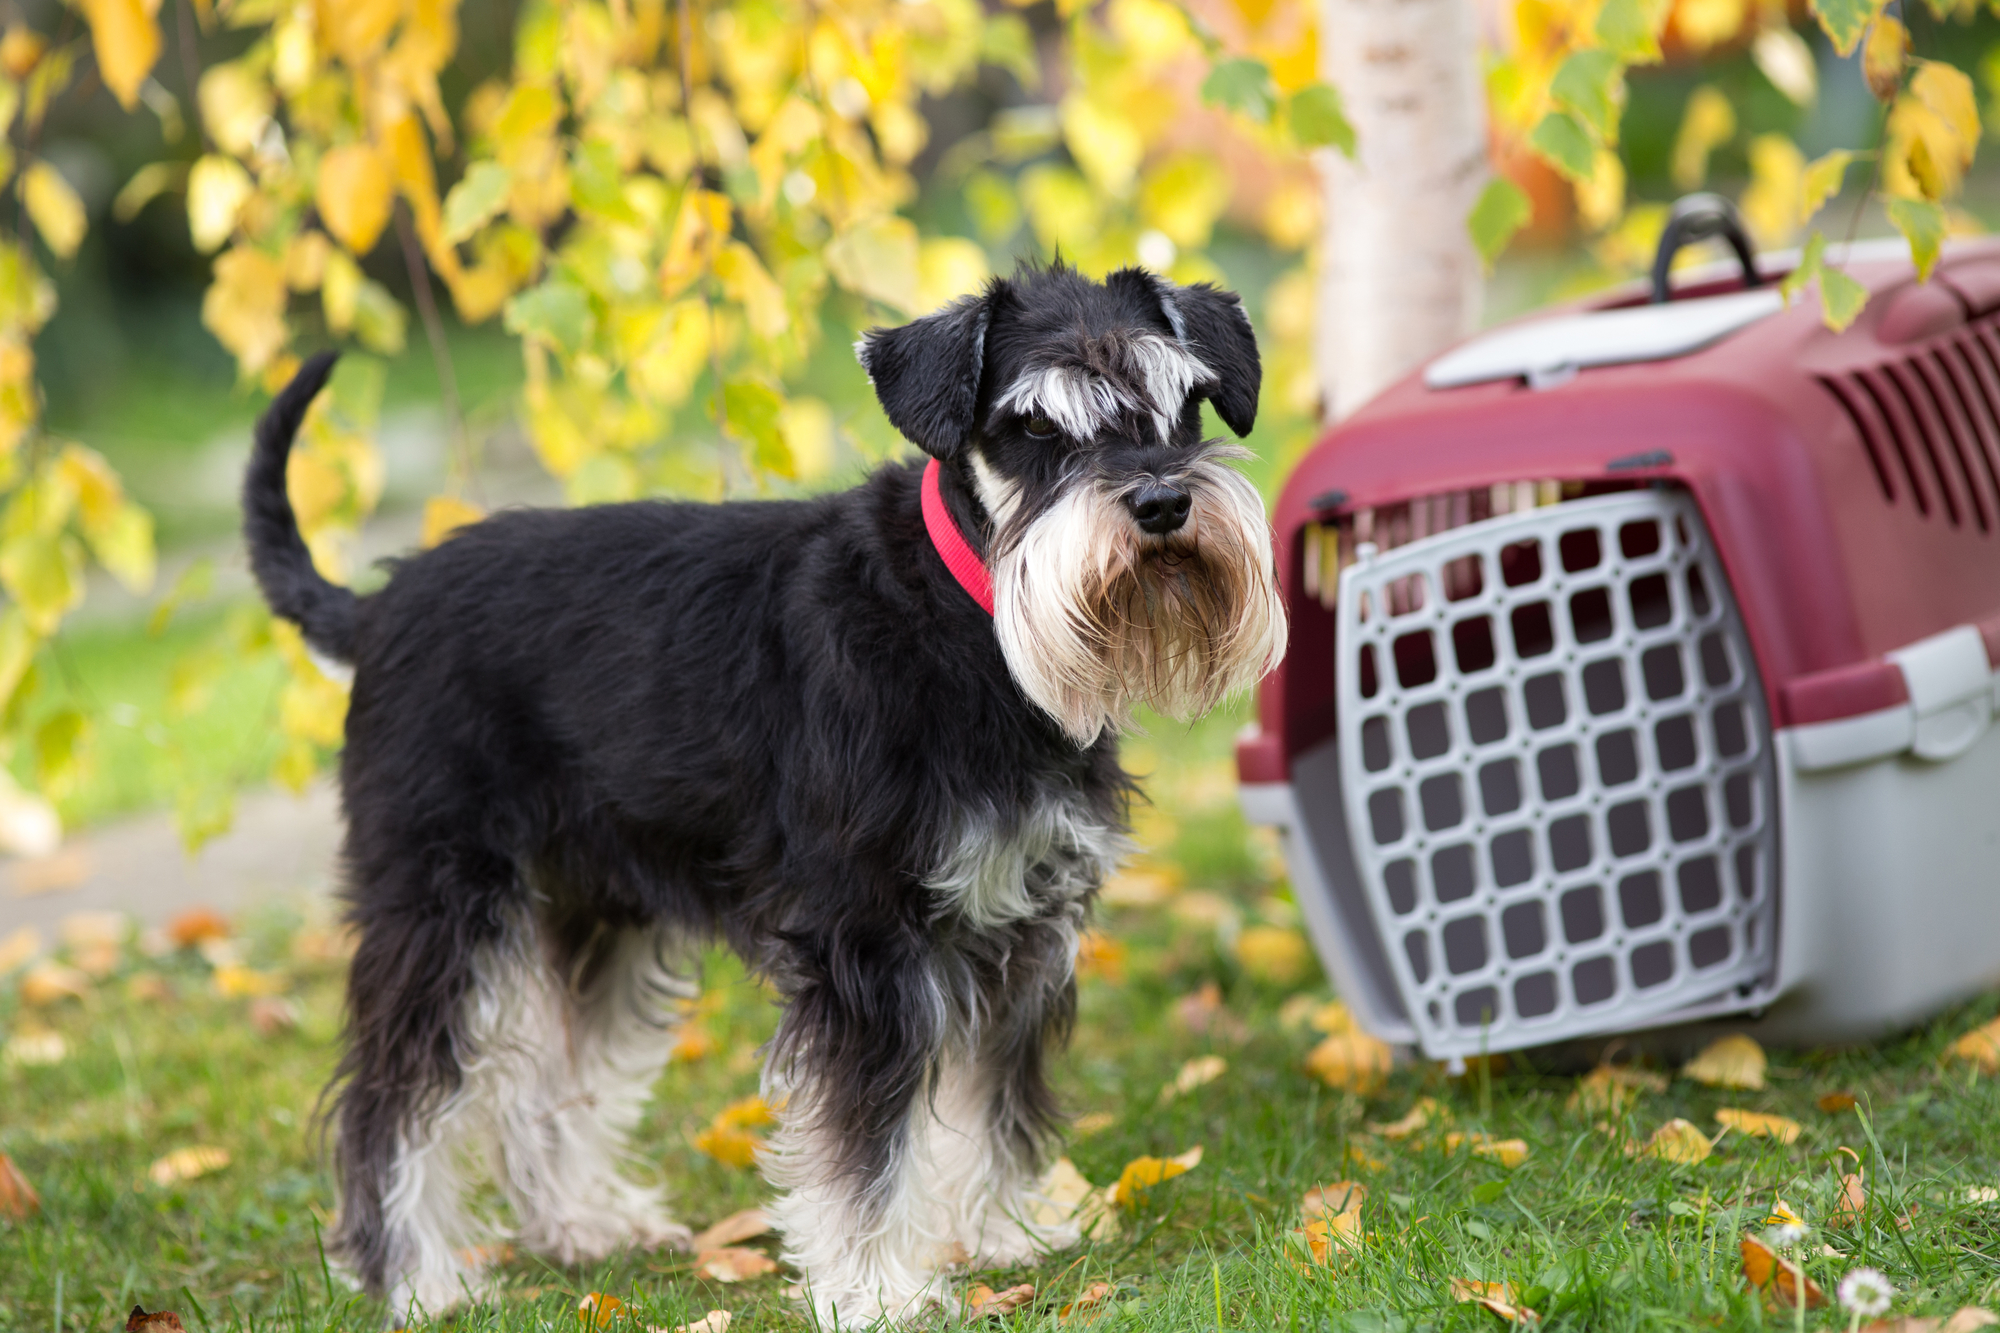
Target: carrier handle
x=1697 y=217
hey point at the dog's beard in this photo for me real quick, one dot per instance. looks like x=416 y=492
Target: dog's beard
x=1096 y=617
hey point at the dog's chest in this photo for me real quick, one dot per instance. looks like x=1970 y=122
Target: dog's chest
x=995 y=872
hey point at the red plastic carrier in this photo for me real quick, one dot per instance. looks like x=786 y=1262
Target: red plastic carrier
x=1643 y=665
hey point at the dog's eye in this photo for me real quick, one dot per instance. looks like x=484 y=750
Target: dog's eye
x=1041 y=427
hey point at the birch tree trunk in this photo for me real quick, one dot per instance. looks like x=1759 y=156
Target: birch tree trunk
x=1400 y=279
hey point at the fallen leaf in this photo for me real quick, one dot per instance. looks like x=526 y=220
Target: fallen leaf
x=1418 y=1117
x=36 y=1049
x=1853 y=1201
x=19 y=947
x=982 y=1302
x=272 y=1014
x=486 y=1256
x=1510 y=1153
x=1357 y=1155
x=197 y=924
x=1496 y=1296
x=733 y=1263
x=1784 y=1215
x=693 y=1042
x=1676 y=1141
x=597 y=1310
x=18 y=1200
x=233 y=981
x=46 y=982
x=187 y=1164
x=1142 y=1173
x=1834 y=1102
x=729 y=1145
x=1089 y=1304
x=1332 y=1217
x=1351 y=1060
x=1332 y=1017
x=1201 y=1070
x=1098 y=955
x=1203 y=1014
x=1982 y=1194
x=737 y=1226
x=715 y=1321
x=1607 y=1089
x=1296 y=1012
x=1096 y=1122
x=1758 y=1125
x=1137 y=888
x=1777 y=1277
x=1968 y=1318
x=159 y=1321
x=1067 y=1197
x=1734 y=1061
x=1274 y=954
x=1981 y=1046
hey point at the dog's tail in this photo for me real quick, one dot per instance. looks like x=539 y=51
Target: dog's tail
x=323 y=611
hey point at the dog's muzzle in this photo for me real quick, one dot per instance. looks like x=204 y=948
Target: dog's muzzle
x=1159 y=508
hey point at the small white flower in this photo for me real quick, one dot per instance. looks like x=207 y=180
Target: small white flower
x=1866 y=1292
x=1785 y=1235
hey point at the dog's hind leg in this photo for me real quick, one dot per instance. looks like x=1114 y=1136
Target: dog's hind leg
x=595 y=1027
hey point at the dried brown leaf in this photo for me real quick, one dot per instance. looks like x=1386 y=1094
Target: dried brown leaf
x=1853 y=1201
x=48 y=981
x=1778 y=1278
x=749 y=1223
x=597 y=1310
x=1495 y=1296
x=733 y=1263
x=18 y=1200
x=1834 y=1102
x=1418 y=1117
x=197 y=924
x=1090 y=1304
x=983 y=1302
x=157 y=1321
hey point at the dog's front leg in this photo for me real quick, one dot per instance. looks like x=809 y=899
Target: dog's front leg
x=850 y=1072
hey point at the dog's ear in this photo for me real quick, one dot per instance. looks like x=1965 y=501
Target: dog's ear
x=1215 y=328
x=926 y=373
x=1210 y=323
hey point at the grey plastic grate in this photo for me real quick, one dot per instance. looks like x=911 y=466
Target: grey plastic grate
x=1557 y=768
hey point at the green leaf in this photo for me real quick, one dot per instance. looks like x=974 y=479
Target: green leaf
x=59 y=743
x=475 y=200
x=357 y=387
x=379 y=319
x=754 y=411
x=597 y=185
x=195 y=583
x=1811 y=258
x=1244 y=85
x=1007 y=43
x=1502 y=210
x=1845 y=20
x=557 y=312
x=1564 y=143
x=1840 y=298
x=1317 y=119
x=1592 y=84
x=1630 y=29
x=1822 y=181
x=1922 y=225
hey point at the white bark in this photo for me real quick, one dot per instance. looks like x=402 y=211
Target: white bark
x=1400 y=279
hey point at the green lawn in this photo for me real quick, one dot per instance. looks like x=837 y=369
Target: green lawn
x=1591 y=1236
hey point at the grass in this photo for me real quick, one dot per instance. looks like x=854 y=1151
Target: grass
x=1592 y=1237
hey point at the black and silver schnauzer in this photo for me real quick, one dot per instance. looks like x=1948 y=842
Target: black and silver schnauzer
x=867 y=740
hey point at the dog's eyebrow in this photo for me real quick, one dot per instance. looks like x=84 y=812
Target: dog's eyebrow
x=1082 y=403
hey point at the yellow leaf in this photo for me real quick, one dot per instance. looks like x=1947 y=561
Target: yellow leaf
x=1822 y=181
x=1607 y=1088
x=1706 y=23
x=1203 y=1069
x=1758 y=1125
x=313 y=708
x=1778 y=1278
x=1088 y=1305
x=126 y=40
x=1331 y=1017
x=1352 y=1060
x=20 y=50
x=1498 y=1297
x=597 y=1310
x=56 y=211
x=806 y=426
x=1735 y=1061
x=1981 y=1046
x=733 y=1264
x=43 y=572
x=244 y=306
x=218 y=187
x=982 y=1302
x=749 y=1113
x=1677 y=1141
x=1883 y=55
x=1947 y=91
x=1426 y=1112
x=948 y=267
x=233 y=981
x=1274 y=954
x=1104 y=141
x=1708 y=122
x=354 y=195
x=235 y=105
x=1098 y=955
x=729 y=1145
x=1332 y=1217
x=1183 y=196
x=745 y=281
x=1510 y=1153
x=48 y=981
x=187 y=1164
x=1065 y=1196
x=1775 y=198
x=693 y=1042
x=1142 y=1173
x=444 y=515
x=877 y=259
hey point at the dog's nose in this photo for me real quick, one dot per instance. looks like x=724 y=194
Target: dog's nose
x=1159 y=508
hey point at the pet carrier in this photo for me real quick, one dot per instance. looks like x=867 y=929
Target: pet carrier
x=1643 y=666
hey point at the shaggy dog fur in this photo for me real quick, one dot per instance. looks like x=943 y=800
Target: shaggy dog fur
x=582 y=744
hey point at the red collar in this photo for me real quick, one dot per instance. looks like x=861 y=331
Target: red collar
x=952 y=548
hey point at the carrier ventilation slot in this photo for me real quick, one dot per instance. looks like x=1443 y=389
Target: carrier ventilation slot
x=1930 y=425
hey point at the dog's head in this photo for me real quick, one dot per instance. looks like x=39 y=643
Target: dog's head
x=1130 y=562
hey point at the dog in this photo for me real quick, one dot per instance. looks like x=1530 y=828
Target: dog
x=867 y=740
